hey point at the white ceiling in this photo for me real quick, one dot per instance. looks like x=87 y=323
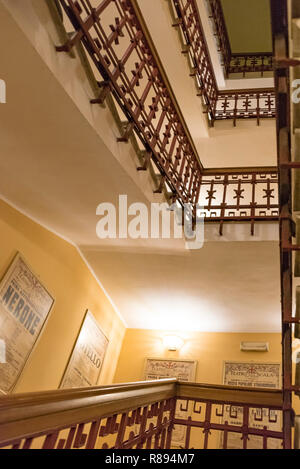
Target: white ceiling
x=231 y=287
x=59 y=159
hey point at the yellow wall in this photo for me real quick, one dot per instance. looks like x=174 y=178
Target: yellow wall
x=209 y=349
x=68 y=279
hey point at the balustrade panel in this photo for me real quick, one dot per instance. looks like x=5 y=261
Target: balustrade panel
x=238 y=104
x=212 y=425
x=125 y=66
x=161 y=414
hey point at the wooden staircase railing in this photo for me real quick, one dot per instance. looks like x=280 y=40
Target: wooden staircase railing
x=148 y=415
x=121 y=63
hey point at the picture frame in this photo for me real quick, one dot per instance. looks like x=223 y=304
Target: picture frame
x=25 y=306
x=86 y=360
x=171 y=372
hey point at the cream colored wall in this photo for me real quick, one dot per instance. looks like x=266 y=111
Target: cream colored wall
x=209 y=349
x=63 y=272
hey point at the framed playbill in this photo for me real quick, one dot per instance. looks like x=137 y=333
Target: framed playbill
x=184 y=370
x=84 y=367
x=24 y=307
x=253 y=375
x=159 y=368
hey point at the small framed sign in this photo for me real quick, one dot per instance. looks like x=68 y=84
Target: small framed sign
x=162 y=368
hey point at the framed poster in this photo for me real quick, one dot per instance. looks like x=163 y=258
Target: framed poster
x=159 y=368
x=84 y=366
x=24 y=307
x=184 y=370
x=253 y=375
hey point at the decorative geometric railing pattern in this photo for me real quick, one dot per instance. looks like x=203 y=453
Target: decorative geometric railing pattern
x=99 y=418
x=236 y=63
x=193 y=38
x=152 y=415
x=216 y=14
x=215 y=425
x=238 y=104
x=257 y=104
x=250 y=63
x=125 y=67
x=239 y=197
x=121 y=54
x=143 y=428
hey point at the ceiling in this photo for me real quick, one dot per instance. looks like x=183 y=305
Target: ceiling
x=248 y=25
x=60 y=159
x=223 y=287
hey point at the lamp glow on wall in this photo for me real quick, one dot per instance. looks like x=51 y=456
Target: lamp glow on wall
x=173 y=342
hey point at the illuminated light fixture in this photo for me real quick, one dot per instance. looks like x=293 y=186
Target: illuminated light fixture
x=173 y=342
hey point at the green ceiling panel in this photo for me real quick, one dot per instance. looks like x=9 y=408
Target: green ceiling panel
x=249 y=25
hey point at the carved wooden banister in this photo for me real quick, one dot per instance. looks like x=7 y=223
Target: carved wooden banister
x=135 y=415
x=27 y=415
x=234 y=395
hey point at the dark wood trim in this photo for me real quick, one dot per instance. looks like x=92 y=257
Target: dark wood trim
x=31 y=415
x=164 y=75
x=241 y=170
x=218 y=104
x=26 y=415
x=223 y=394
x=280 y=22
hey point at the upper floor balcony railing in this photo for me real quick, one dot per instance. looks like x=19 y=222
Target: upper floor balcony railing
x=237 y=104
x=128 y=72
x=161 y=414
x=239 y=196
x=259 y=62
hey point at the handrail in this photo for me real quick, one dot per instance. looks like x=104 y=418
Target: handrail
x=235 y=395
x=137 y=82
x=35 y=414
x=235 y=104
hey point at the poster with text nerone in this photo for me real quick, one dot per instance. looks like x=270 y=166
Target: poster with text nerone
x=253 y=375
x=183 y=370
x=24 y=307
x=86 y=361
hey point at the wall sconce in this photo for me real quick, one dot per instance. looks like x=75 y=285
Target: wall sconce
x=173 y=342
